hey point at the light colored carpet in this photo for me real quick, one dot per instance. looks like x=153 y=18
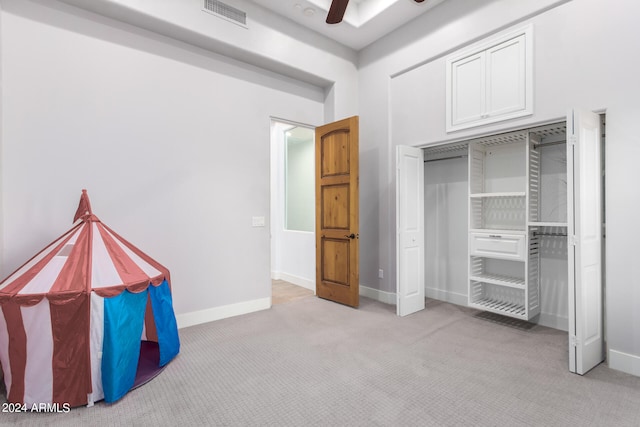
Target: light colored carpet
x=313 y=362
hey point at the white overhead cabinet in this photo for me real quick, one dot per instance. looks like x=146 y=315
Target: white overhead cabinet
x=491 y=81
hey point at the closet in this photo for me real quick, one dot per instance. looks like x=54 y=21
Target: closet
x=508 y=224
x=513 y=206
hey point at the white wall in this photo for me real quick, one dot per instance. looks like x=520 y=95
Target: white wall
x=171 y=141
x=446 y=189
x=584 y=57
x=269 y=41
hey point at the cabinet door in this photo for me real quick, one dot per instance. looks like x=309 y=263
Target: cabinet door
x=506 y=77
x=467 y=89
x=584 y=228
x=410 y=230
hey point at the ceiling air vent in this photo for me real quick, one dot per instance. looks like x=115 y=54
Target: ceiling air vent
x=225 y=11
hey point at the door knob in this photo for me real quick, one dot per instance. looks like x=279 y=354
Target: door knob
x=351 y=236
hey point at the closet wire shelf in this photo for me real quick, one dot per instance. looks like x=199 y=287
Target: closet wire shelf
x=500 y=307
x=499 y=279
x=497 y=298
x=501 y=194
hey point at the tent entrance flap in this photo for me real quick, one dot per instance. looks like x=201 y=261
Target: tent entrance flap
x=128 y=360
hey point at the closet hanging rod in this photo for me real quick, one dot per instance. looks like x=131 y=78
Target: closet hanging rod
x=446 y=158
x=546 y=144
x=535 y=233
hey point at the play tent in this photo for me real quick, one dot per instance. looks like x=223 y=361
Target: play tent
x=87 y=318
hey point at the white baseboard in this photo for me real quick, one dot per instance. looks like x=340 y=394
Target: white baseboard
x=378 y=295
x=554 y=321
x=447 y=296
x=625 y=362
x=222 y=312
x=296 y=280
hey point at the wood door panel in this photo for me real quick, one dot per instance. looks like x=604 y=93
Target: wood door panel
x=333 y=292
x=335 y=261
x=337 y=244
x=335 y=153
x=335 y=207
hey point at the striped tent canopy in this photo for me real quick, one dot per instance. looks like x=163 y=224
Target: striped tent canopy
x=78 y=318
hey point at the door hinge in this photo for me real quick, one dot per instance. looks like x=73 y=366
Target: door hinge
x=572 y=240
x=573 y=341
x=572 y=140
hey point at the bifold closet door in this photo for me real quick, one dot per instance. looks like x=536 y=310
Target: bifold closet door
x=410 y=230
x=584 y=194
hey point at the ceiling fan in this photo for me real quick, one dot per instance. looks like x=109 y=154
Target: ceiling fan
x=337 y=9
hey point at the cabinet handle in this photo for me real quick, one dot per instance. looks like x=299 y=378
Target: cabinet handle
x=495 y=236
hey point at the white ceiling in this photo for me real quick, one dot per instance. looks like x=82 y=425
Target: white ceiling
x=364 y=22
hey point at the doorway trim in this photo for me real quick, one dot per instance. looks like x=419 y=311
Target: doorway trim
x=276 y=208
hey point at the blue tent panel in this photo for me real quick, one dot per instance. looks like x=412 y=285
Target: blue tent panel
x=165 y=319
x=123 y=323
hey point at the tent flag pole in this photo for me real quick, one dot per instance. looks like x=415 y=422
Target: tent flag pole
x=84 y=207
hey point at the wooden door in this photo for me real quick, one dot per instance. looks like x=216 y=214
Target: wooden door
x=410 y=230
x=337 y=243
x=584 y=193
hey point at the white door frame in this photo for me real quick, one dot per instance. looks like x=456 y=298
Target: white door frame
x=277 y=197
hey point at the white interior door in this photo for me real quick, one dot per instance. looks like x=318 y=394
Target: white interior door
x=410 y=230
x=586 y=348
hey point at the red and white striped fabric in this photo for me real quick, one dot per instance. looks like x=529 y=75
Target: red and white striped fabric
x=51 y=311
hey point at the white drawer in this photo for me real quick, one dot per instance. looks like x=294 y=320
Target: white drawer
x=498 y=245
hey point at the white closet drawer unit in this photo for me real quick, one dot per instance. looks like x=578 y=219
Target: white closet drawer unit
x=498 y=245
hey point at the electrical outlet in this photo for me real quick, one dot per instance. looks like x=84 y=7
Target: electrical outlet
x=380 y=274
x=257 y=221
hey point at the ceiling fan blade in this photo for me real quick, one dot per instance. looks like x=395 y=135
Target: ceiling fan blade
x=336 y=11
